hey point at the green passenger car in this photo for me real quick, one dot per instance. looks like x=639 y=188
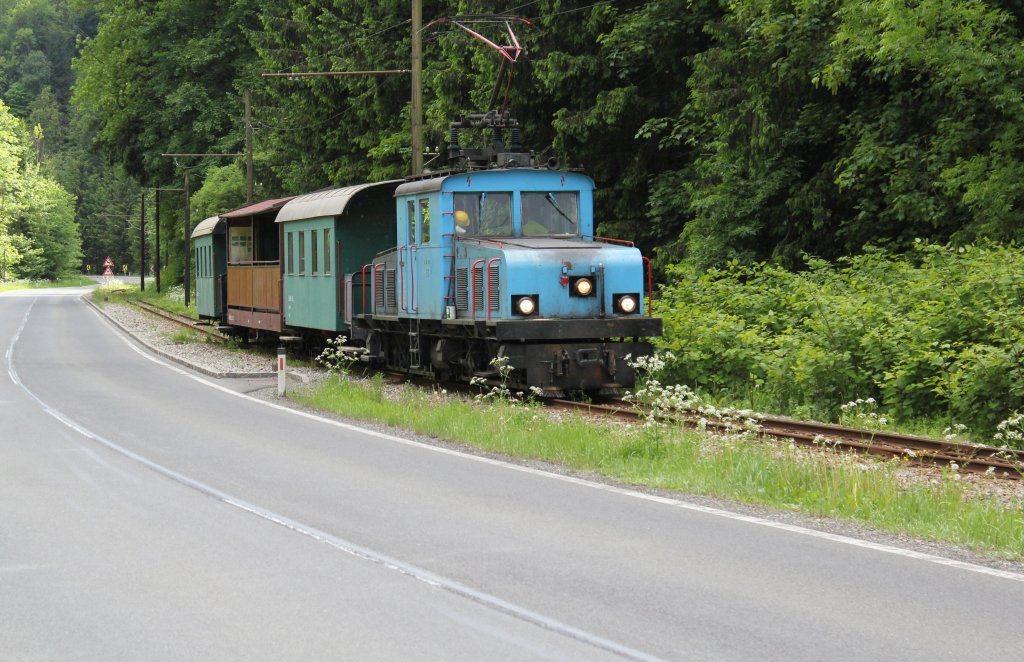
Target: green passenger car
x=211 y=268
x=328 y=236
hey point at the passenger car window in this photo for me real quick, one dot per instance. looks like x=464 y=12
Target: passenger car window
x=327 y=251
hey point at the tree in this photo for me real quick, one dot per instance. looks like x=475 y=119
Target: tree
x=222 y=190
x=49 y=222
x=823 y=128
x=37 y=225
x=159 y=77
x=10 y=255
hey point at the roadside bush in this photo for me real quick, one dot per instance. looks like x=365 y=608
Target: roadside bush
x=933 y=334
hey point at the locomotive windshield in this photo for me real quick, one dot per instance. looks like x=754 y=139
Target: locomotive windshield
x=488 y=214
x=543 y=213
x=550 y=213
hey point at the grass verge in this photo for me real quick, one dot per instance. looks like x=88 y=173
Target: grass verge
x=70 y=281
x=172 y=300
x=832 y=485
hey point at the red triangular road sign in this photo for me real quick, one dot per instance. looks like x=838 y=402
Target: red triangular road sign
x=108 y=262
x=108 y=272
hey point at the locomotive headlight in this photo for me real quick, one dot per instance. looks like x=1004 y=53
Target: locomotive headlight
x=583 y=287
x=627 y=303
x=525 y=305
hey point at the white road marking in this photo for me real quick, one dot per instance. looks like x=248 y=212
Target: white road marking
x=24 y=567
x=668 y=501
x=29 y=294
x=421 y=574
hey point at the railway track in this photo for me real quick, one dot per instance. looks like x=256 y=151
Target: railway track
x=975 y=458
x=971 y=457
x=181 y=320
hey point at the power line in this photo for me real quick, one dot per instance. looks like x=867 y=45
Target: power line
x=569 y=11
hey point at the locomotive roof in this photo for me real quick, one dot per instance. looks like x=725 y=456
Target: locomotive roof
x=331 y=202
x=257 y=208
x=562 y=243
x=212 y=225
x=431 y=184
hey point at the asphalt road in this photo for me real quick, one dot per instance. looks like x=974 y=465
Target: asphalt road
x=150 y=513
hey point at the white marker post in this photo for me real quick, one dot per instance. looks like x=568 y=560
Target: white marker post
x=282 y=363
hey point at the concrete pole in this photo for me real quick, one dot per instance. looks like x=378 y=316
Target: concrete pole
x=282 y=371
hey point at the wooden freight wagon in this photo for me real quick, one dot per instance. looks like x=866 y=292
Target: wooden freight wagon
x=254 y=266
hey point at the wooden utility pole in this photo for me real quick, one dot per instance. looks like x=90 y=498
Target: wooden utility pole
x=158 y=265
x=142 y=245
x=188 y=247
x=188 y=216
x=416 y=111
x=248 y=149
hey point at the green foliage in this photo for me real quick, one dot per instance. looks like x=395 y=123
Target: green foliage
x=933 y=334
x=12 y=251
x=338 y=358
x=38 y=235
x=222 y=190
x=824 y=126
x=49 y=222
x=160 y=77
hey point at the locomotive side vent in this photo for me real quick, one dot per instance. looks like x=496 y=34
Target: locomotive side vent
x=462 y=289
x=495 y=293
x=478 y=288
x=391 y=300
x=378 y=292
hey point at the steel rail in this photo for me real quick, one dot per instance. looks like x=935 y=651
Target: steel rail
x=178 y=319
x=975 y=458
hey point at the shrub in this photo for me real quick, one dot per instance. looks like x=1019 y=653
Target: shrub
x=937 y=333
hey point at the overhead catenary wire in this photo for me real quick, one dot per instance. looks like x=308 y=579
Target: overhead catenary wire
x=479 y=18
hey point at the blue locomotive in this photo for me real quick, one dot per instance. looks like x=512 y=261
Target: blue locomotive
x=449 y=275
x=504 y=263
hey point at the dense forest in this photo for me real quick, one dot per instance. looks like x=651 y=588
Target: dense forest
x=723 y=136
x=750 y=130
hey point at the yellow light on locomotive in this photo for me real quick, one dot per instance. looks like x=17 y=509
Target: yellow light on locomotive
x=584 y=286
x=526 y=306
x=627 y=304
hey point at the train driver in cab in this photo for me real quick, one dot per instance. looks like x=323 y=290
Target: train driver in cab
x=462 y=222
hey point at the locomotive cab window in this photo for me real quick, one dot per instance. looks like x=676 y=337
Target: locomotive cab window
x=487 y=214
x=424 y=221
x=410 y=207
x=547 y=213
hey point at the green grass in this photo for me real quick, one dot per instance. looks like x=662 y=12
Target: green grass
x=183 y=336
x=69 y=281
x=688 y=461
x=172 y=299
